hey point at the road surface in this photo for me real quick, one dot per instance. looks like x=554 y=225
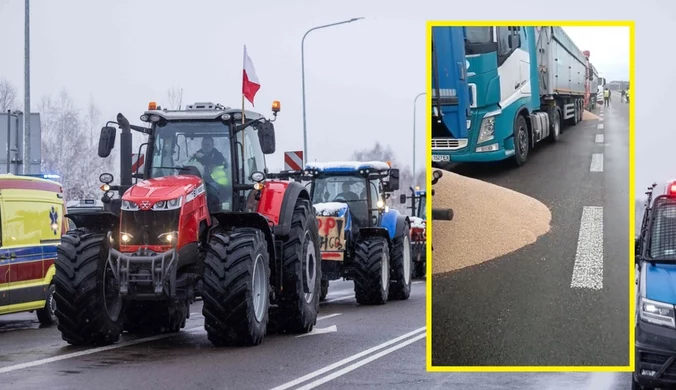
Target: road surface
x=563 y=300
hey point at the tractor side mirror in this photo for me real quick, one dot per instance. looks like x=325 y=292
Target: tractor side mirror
x=402 y=198
x=637 y=250
x=514 y=41
x=266 y=136
x=393 y=184
x=106 y=141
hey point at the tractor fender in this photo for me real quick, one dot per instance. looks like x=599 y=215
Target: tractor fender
x=230 y=219
x=374 y=232
x=96 y=222
x=394 y=222
x=277 y=202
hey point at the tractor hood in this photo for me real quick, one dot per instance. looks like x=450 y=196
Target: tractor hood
x=331 y=209
x=162 y=188
x=417 y=223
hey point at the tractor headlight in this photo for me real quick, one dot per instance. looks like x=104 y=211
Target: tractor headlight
x=658 y=313
x=380 y=204
x=195 y=193
x=125 y=237
x=129 y=205
x=168 y=237
x=171 y=204
x=487 y=129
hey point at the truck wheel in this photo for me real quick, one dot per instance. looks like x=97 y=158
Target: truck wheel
x=89 y=307
x=236 y=288
x=155 y=317
x=46 y=315
x=401 y=266
x=554 y=125
x=299 y=304
x=325 y=289
x=372 y=271
x=581 y=105
x=521 y=141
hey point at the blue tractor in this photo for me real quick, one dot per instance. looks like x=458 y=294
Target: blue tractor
x=361 y=238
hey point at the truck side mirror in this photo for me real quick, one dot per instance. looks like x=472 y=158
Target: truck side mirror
x=266 y=136
x=393 y=184
x=514 y=41
x=402 y=198
x=106 y=141
x=637 y=250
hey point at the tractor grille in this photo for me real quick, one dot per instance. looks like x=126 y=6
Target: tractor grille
x=146 y=226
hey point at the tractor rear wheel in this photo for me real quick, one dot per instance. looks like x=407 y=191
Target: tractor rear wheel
x=89 y=307
x=236 y=288
x=147 y=317
x=299 y=304
x=401 y=266
x=372 y=271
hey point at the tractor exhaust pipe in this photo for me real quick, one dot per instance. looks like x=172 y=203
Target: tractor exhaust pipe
x=125 y=153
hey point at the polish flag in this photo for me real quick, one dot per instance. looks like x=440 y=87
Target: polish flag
x=250 y=84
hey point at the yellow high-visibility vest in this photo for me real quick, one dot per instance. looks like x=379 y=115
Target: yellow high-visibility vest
x=606 y=93
x=220 y=176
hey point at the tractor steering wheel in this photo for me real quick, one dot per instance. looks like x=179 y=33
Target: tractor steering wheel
x=339 y=198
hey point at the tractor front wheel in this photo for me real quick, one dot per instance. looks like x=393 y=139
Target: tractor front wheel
x=236 y=291
x=89 y=306
x=299 y=304
x=372 y=271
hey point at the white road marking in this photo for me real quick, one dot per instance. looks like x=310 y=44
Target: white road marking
x=417 y=282
x=40 y=362
x=601 y=118
x=599 y=126
x=599 y=138
x=596 y=163
x=316 y=331
x=588 y=269
x=360 y=363
x=349 y=359
x=328 y=316
x=339 y=298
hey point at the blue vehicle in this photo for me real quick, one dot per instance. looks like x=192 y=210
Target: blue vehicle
x=361 y=238
x=656 y=293
x=418 y=229
x=498 y=91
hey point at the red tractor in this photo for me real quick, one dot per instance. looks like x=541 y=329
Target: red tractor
x=204 y=214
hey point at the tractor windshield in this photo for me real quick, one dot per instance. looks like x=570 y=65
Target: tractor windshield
x=343 y=189
x=199 y=148
x=421 y=209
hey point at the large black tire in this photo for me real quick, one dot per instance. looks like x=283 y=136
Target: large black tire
x=47 y=315
x=521 y=141
x=325 y=289
x=420 y=263
x=299 y=303
x=149 y=317
x=402 y=266
x=554 y=125
x=372 y=271
x=86 y=316
x=230 y=294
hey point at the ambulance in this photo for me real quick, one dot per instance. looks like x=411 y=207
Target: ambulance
x=31 y=224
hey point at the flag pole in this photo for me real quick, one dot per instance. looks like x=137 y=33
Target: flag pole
x=243 y=140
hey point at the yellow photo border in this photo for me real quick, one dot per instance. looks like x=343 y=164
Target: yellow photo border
x=632 y=216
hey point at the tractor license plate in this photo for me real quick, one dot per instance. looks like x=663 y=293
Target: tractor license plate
x=331 y=237
x=441 y=158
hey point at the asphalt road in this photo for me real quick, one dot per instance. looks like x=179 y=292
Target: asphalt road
x=543 y=304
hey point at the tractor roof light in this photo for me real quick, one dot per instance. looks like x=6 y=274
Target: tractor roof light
x=152 y=106
x=276 y=106
x=671 y=189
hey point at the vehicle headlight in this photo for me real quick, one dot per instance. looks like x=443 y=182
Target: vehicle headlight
x=129 y=205
x=125 y=237
x=195 y=193
x=171 y=204
x=380 y=204
x=487 y=129
x=168 y=237
x=658 y=313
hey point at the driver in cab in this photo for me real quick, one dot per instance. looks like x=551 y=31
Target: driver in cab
x=347 y=193
x=215 y=166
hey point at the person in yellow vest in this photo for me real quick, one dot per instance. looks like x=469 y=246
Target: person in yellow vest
x=606 y=97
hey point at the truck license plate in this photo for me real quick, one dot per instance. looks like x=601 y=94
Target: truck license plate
x=441 y=158
x=331 y=237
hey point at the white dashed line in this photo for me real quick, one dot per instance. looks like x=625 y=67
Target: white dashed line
x=599 y=126
x=601 y=118
x=599 y=138
x=328 y=316
x=596 y=163
x=588 y=269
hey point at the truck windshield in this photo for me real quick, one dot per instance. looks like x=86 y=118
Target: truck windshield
x=343 y=189
x=200 y=148
x=663 y=232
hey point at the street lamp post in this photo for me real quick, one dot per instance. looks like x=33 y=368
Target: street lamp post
x=302 y=64
x=415 y=176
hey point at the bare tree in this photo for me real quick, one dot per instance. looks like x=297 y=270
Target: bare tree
x=174 y=98
x=8 y=96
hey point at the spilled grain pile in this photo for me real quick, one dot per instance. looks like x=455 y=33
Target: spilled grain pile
x=489 y=221
x=587 y=116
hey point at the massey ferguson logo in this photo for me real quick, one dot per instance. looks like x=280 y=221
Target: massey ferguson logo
x=145 y=204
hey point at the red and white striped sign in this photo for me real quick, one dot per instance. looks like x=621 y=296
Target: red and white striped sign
x=293 y=161
x=137 y=162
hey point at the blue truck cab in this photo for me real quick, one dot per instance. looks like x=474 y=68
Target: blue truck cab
x=655 y=319
x=361 y=237
x=515 y=87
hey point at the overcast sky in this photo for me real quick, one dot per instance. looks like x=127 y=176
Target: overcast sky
x=361 y=77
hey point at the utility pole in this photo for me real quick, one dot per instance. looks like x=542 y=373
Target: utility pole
x=27 y=95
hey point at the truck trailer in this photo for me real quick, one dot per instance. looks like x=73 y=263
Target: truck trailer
x=498 y=91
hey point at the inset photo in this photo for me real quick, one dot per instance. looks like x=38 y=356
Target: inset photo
x=531 y=155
